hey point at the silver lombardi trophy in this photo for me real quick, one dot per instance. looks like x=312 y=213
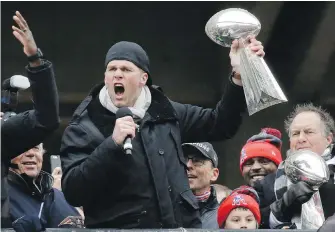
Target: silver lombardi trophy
x=261 y=89
x=307 y=166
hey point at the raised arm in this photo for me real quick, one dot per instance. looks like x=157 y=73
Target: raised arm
x=27 y=129
x=199 y=124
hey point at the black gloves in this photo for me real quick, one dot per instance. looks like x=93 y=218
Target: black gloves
x=290 y=204
x=28 y=223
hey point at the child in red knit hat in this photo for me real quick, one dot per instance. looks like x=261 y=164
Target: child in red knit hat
x=261 y=155
x=240 y=210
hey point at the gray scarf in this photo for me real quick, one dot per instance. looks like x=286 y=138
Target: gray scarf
x=140 y=107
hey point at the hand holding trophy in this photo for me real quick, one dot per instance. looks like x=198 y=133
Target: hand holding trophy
x=307 y=166
x=261 y=89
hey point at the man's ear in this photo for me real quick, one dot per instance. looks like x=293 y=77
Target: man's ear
x=215 y=174
x=144 y=79
x=330 y=138
x=105 y=78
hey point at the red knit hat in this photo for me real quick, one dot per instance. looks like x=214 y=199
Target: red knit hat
x=238 y=200
x=266 y=144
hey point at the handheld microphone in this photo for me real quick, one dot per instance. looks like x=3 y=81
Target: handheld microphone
x=123 y=112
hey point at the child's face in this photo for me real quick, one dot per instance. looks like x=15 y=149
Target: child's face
x=241 y=218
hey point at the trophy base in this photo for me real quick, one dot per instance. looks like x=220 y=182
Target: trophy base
x=264 y=102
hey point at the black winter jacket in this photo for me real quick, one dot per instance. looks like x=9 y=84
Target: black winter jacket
x=26 y=130
x=36 y=204
x=148 y=189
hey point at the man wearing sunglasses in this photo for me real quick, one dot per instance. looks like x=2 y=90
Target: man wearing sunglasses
x=202 y=170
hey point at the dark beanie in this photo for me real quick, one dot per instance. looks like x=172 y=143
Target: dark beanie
x=132 y=52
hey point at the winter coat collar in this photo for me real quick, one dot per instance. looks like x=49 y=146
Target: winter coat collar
x=211 y=203
x=160 y=109
x=38 y=188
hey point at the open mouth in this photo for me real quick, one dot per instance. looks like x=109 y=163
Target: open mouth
x=257 y=177
x=29 y=163
x=118 y=89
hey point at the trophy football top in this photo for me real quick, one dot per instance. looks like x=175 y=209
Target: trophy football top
x=305 y=165
x=230 y=24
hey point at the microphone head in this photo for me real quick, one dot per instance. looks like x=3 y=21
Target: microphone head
x=123 y=112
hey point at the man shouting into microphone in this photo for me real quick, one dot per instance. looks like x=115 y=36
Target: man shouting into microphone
x=148 y=188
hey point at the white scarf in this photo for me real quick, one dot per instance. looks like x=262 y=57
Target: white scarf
x=140 y=107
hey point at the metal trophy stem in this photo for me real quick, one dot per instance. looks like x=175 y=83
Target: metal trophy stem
x=261 y=89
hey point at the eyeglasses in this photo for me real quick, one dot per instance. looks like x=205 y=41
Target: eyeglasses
x=197 y=161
